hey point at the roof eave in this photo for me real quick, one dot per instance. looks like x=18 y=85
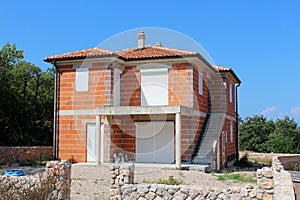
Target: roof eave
x=52 y=60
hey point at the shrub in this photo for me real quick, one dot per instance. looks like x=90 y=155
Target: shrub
x=170 y=181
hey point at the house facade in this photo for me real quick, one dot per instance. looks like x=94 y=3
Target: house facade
x=152 y=104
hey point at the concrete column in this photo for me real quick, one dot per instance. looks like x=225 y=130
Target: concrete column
x=98 y=131
x=102 y=143
x=178 y=140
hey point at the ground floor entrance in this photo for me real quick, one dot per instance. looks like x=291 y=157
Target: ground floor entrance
x=155 y=142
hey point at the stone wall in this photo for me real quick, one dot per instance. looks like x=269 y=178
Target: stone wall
x=25 y=154
x=288 y=162
x=54 y=183
x=123 y=187
x=283 y=185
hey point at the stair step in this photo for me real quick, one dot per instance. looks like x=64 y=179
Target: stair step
x=211 y=134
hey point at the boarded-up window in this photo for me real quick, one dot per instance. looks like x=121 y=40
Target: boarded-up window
x=154 y=87
x=231 y=132
x=230 y=93
x=116 y=92
x=82 y=79
x=200 y=83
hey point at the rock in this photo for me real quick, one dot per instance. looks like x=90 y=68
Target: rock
x=211 y=195
x=249 y=186
x=235 y=196
x=259 y=196
x=203 y=192
x=222 y=196
x=244 y=192
x=259 y=173
x=179 y=196
x=200 y=198
x=153 y=188
x=193 y=193
x=267 y=172
x=267 y=197
x=134 y=195
x=266 y=183
x=142 y=189
x=127 y=191
x=159 y=191
x=185 y=189
x=150 y=196
x=271 y=191
x=172 y=191
x=252 y=194
x=114 y=192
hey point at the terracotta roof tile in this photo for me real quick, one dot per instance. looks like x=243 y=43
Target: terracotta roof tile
x=126 y=54
x=81 y=54
x=223 y=69
x=153 y=52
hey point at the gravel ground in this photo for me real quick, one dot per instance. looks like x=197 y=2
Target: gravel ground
x=92 y=182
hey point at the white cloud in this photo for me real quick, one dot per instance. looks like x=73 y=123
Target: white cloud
x=269 y=110
x=295 y=112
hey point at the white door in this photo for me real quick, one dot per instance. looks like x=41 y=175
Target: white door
x=155 y=142
x=91 y=143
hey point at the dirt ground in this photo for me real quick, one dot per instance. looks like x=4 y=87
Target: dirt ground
x=92 y=182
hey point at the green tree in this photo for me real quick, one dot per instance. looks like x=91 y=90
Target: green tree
x=26 y=107
x=254 y=132
x=285 y=138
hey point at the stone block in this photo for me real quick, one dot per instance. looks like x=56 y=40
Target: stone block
x=150 y=196
x=266 y=183
x=179 y=196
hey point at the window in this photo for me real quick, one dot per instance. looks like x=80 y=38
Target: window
x=230 y=93
x=231 y=132
x=200 y=83
x=116 y=92
x=154 y=87
x=82 y=79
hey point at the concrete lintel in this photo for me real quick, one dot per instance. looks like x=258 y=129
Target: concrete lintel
x=191 y=112
x=137 y=110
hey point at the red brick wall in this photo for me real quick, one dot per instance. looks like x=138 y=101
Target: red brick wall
x=191 y=127
x=72 y=131
x=200 y=101
x=130 y=87
x=181 y=85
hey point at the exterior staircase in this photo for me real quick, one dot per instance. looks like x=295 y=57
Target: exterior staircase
x=212 y=131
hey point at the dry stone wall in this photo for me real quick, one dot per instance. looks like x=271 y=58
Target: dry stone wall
x=282 y=181
x=25 y=154
x=52 y=184
x=123 y=187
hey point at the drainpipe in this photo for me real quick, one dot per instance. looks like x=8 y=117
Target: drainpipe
x=55 y=121
x=237 y=123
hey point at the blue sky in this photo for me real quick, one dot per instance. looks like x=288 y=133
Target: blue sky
x=259 y=39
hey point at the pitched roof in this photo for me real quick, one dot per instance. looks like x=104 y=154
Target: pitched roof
x=228 y=70
x=151 y=52
x=91 y=52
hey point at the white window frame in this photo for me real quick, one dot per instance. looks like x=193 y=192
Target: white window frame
x=82 y=80
x=231 y=131
x=200 y=83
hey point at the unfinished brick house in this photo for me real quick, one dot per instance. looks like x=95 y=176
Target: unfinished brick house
x=151 y=103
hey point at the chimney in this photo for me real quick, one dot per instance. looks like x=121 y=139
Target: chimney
x=141 y=40
x=158 y=44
